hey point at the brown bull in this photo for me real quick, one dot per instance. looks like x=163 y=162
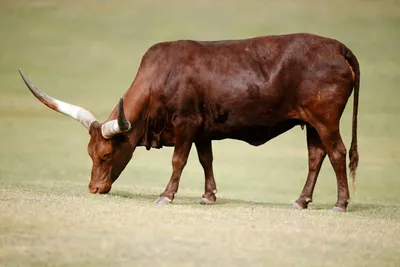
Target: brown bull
x=253 y=90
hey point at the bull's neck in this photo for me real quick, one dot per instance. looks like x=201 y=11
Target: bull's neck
x=136 y=100
x=135 y=107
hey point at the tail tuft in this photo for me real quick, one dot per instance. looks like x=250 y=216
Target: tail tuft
x=353 y=155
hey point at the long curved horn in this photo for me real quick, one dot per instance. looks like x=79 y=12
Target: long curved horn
x=75 y=112
x=120 y=125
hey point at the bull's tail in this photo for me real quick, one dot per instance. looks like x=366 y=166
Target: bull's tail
x=353 y=153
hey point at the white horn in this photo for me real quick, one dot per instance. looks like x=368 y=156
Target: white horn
x=75 y=112
x=120 y=125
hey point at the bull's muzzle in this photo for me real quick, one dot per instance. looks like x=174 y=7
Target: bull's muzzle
x=97 y=188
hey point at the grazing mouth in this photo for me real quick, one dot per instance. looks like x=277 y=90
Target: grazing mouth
x=97 y=189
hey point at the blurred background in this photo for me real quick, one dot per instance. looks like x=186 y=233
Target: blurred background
x=87 y=53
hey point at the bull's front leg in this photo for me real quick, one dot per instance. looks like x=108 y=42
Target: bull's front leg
x=184 y=132
x=179 y=159
x=204 y=151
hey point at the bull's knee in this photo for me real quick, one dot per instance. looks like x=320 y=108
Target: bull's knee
x=178 y=162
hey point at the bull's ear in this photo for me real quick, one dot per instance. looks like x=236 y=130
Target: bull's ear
x=95 y=126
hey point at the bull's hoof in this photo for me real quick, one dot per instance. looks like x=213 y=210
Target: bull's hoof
x=297 y=206
x=162 y=201
x=338 y=209
x=205 y=201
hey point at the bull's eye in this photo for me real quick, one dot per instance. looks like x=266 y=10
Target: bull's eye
x=106 y=157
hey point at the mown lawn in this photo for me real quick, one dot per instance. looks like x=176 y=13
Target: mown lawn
x=87 y=53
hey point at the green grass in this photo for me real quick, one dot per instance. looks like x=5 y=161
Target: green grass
x=87 y=52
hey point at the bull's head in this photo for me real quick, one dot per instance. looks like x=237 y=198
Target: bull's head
x=109 y=146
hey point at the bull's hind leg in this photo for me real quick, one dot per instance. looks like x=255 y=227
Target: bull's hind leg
x=336 y=150
x=204 y=151
x=316 y=155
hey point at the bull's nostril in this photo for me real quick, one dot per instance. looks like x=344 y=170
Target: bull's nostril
x=93 y=190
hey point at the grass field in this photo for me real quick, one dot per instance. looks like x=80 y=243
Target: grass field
x=87 y=53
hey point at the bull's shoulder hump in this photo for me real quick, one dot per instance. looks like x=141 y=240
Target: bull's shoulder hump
x=157 y=48
x=161 y=49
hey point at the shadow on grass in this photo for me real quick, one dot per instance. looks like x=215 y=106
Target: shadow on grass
x=187 y=200
x=359 y=208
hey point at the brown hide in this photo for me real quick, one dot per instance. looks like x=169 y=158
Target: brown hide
x=251 y=90
x=241 y=89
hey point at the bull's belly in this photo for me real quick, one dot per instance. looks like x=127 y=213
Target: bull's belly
x=254 y=135
x=255 y=125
